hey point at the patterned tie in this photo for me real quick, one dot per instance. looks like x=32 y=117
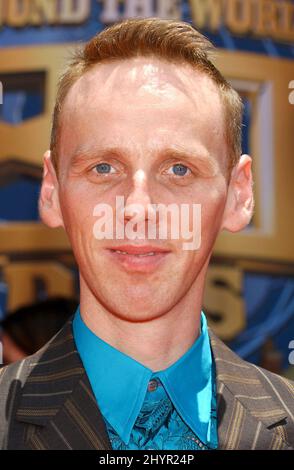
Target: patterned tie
x=158 y=426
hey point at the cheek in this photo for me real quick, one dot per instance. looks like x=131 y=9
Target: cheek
x=77 y=199
x=78 y=203
x=77 y=211
x=212 y=211
x=212 y=199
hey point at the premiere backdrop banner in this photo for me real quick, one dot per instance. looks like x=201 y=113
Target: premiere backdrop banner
x=249 y=299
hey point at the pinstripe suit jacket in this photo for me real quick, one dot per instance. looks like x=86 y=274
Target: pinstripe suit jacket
x=46 y=402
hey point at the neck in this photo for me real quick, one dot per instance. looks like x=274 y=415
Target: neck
x=157 y=343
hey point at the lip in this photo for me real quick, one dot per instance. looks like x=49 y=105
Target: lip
x=139 y=249
x=132 y=262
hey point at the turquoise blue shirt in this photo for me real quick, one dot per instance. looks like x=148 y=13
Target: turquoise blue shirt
x=174 y=408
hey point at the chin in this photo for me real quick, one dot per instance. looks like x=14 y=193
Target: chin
x=139 y=316
x=133 y=308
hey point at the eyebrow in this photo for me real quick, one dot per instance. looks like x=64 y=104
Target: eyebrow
x=201 y=156
x=85 y=153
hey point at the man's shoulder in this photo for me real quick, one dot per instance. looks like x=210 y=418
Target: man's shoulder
x=46 y=362
x=21 y=369
x=14 y=376
x=9 y=371
x=231 y=363
x=263 y=398
x=16 y=371
x=12 y=380
x=271 y=380
x=249 y=382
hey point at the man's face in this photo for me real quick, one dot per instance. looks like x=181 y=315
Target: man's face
x=151 y=132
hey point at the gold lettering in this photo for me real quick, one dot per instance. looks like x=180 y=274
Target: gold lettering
x=223 y=303
x=238 y=16
x=285 y=11
x=261 y=18
x=17 y=12
x=74 y=12
x=20 y=278
x=43 y=11
x=266 y=18
x=207 y=13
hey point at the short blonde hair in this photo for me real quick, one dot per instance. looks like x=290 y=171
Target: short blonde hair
x=174 y=41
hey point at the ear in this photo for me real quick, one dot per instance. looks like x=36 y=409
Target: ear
x=240 y=202
x=49 y=207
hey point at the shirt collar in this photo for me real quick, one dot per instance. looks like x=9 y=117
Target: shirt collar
x=119 y=382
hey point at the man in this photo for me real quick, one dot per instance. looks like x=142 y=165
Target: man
x=142 y=114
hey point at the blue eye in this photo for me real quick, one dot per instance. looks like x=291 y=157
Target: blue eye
x=179 y=169
x=103 y=168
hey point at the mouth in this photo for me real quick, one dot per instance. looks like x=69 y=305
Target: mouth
x=139 y=258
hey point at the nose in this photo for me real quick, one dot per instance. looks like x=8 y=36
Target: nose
x=138 y=201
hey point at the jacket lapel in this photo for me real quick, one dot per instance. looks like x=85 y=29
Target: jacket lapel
x=57 y=404
x=248 y=417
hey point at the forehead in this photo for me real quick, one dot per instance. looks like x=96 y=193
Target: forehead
x=142 y=77
x=146 y=96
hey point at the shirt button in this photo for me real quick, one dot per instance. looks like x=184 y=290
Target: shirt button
x=152 y=385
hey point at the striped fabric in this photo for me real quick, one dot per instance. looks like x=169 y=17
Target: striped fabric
x=46 y=402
